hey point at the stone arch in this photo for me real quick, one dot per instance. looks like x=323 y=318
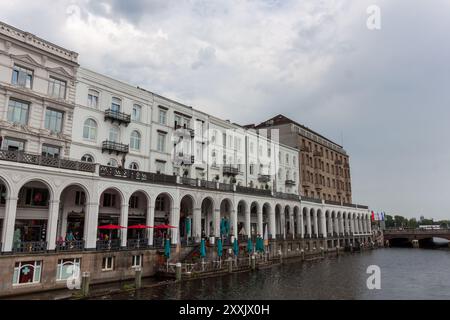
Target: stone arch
x=278 y=220
x=207 y=216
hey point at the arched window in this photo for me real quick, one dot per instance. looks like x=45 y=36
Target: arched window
x=135 y=140
x=90 y=129
x=114 y=134
x=87 y=158
x=133 y=166
x=112 y=163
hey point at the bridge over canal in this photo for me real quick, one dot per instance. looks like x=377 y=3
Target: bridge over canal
x=415 y=237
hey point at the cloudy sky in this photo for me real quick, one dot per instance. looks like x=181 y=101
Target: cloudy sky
x=385 y=92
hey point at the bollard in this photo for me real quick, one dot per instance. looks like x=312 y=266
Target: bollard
x=281 y=256
x=138 y=278
x=322 y=251
x=253 y=262
x=85 y=281
x=351 y=247
x=337 y=250
x=303 y=254
x=178 y=271
x=230 y=265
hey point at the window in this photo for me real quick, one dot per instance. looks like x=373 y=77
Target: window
x=22 y=77
x=134 y=166
x=136 y=114
x=160 y=167
x=108 y=264
x=53 y=120
x=134 y=202
x=112 y=163
x=162 y=116
x=90 y=129
x=80 y=198
x=177 y=120
x=114 y=134
x=115 y=104
x=136 y=261
x=135 y=140
x=57 y=88
x=27 y=272
x=161 y=142
x=18 y=112
x=11 y=144
x=87 y=158
x=252 y=168
x=93 y=99
x=251 y=147
x=287 y=159
x=51 y=151
x=68 y=269
x=109 y=200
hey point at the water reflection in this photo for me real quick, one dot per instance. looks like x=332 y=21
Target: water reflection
x=405 y=274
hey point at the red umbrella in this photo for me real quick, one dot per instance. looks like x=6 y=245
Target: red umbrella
x=164 y=226
x=139 y=226
x=111 y=227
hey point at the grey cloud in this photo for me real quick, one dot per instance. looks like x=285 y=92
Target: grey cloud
x=386 y=92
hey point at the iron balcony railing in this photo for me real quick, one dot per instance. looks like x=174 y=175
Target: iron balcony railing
x=264 y=178
x=253 y=191
x=30 y=247
x=286 y=196
x=104 y=245
x=120 y=173
x=77 y=245
x=29 y=158
x=117 y=147
x=137 y=243
x=308 y=199
x=335 y=203
x=120 y=117
x=230 y=170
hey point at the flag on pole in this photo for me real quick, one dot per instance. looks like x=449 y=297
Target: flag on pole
x=372 y=216
x=383 y=215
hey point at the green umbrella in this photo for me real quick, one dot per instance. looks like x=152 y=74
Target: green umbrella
x=249 y=246
x=203 y=249
x=236 y=247
x=259 y=245
x=219 y=247
x=188 y=226
x=167 y=248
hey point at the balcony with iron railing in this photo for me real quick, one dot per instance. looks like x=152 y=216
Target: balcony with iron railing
x=230 y=170
x=111 y=147
x=30 y=247
x=116 y=116
x=254 y=191
x=184 y=159
x=148 y=177
x=264 y=178
x=36 y=159
x=286 y=196
x=183 y=130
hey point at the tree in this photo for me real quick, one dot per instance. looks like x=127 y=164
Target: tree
x=388 y=221
x=413 y=224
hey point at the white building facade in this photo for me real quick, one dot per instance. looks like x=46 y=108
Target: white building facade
x=80 y=150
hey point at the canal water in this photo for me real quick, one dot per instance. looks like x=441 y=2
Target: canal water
x=405 y=274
